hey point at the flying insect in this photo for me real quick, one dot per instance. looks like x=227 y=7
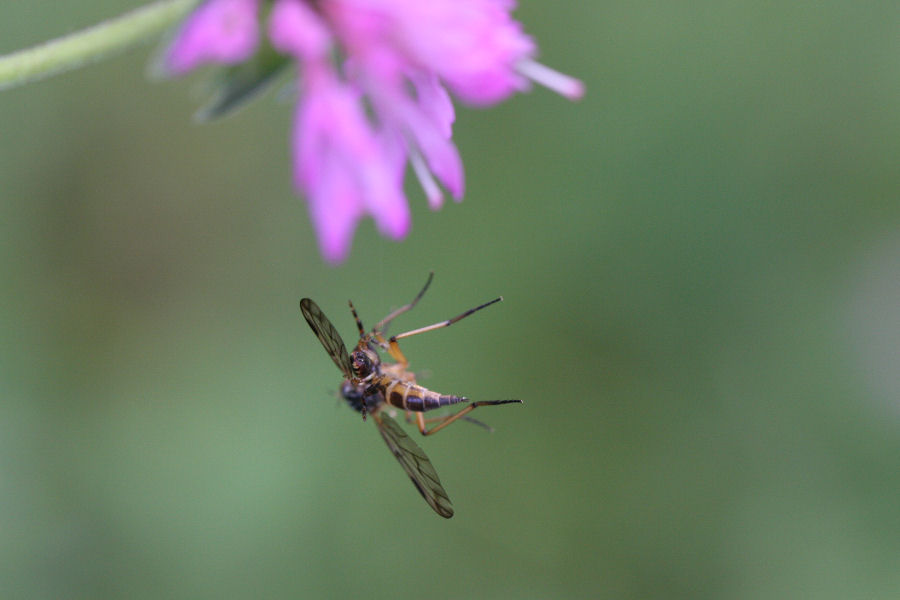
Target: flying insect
x=370 y=386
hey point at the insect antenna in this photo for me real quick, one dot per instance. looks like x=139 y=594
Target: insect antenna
x=359 y=325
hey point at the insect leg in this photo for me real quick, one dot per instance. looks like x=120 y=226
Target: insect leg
x=393 y=349
x=444 y=421
x=393 y=339
x=385 y=322
x=409 y=419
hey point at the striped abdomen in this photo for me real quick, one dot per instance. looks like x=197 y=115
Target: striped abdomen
x=410 y=396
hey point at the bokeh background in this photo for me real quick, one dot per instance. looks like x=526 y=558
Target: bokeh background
x=701 y=267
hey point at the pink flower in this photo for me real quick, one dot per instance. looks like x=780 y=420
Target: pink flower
x=223 y=31
x=372 y=93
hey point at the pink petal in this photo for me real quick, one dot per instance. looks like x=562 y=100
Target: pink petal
x=382 y=181
x=426 y=127
x=472 y=45
x=435 y=102
x=335 y=211
x=562 y=84
x=432 y=190
x=221 y=31
x=430 y=121
x=296 y=29
x=343 y=167
x=441 y=155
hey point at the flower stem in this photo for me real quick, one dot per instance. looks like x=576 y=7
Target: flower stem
x=91 y=44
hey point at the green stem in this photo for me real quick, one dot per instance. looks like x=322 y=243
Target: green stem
x=94 y=43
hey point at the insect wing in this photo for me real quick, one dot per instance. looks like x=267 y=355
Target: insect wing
x=415 y=463
x=327 y=334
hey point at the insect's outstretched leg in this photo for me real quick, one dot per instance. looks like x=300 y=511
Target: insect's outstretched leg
x=409 y=419
x=391 y=343
x=393 y=339
x=468 y=419
x=383 y=324
x=393 y=349
x=359 y=324
x=444 y=421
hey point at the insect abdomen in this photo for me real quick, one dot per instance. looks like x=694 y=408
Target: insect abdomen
x=410 y=396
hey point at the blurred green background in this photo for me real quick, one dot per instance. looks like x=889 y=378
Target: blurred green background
x=701 y=267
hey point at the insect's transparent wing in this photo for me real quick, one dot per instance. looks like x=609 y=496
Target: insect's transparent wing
x=415 y=463
x=327 y=334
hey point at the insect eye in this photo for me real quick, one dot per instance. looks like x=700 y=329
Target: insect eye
x=362 y=364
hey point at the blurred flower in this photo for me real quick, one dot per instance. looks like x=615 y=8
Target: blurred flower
x=224 y=31
x=373 y=93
